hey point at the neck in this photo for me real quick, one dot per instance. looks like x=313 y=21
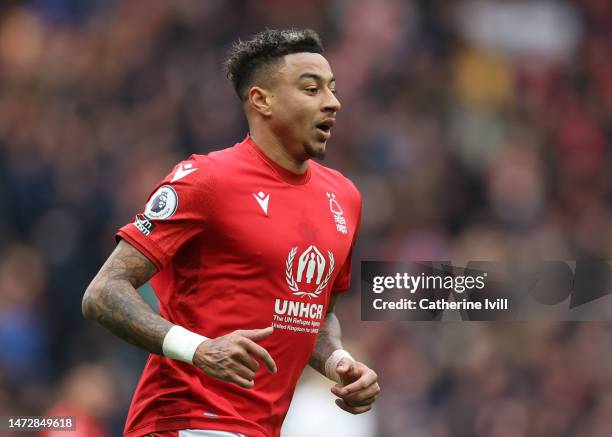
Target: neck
x=277 y=151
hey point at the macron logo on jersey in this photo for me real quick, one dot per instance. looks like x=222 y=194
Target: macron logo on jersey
x=182 y=171
x=262 y=199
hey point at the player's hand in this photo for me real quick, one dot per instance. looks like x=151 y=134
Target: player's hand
x=359 y=387
x=231 y=358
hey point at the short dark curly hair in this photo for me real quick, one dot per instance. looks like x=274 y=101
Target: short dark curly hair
x=246 y=59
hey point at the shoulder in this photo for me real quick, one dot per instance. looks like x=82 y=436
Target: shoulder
x=199 y=168
x=221 y=161
x=217 y=158
x=338 y=181
x=193 y=183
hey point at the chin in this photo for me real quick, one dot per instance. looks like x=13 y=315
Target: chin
x=315 y=151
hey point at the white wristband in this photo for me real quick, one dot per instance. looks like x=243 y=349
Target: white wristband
x=332 y=363
x=181 y=344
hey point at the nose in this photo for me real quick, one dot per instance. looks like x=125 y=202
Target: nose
x=331 y=103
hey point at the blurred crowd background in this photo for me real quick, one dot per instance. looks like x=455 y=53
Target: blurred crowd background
x=474 y=129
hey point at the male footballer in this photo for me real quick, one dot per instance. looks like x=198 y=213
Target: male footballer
x=247 y=249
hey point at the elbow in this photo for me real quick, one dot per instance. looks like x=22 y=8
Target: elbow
x=88 y=305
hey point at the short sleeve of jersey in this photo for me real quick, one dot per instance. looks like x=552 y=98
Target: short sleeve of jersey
x=177 y=210
x=343 y=280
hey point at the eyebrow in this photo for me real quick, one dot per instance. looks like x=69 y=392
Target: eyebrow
x=315 y=76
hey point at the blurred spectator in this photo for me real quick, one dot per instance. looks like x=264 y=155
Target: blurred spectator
x=477 y=130
x=87 y=395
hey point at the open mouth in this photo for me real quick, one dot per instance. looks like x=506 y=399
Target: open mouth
x=324 y=128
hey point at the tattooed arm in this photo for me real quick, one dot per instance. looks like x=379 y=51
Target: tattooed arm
x=359 y=387
x=112 y=300
x=328 y=339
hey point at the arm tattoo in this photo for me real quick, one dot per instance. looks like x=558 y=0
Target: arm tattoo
x=327 y=341
x=112 y=300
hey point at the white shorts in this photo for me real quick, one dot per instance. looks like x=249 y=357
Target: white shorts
x=195 y=433
x=206 y=433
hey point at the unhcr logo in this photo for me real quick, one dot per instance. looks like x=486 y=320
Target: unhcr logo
x=311 y=277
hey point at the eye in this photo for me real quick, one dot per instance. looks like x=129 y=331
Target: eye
x=312 y=90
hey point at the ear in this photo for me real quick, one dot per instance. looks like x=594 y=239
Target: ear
x=260 y=100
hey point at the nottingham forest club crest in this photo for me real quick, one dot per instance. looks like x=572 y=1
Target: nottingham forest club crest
x=308 y=273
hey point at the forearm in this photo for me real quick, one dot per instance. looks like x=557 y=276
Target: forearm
x=328 y=341
x=112 y=300
x=117 y=306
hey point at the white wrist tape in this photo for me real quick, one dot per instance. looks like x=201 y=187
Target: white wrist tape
x=332 y=363
x=181 y=344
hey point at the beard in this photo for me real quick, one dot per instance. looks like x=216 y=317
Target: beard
x=314 y=153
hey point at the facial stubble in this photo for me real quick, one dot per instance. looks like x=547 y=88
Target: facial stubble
x=314 y=153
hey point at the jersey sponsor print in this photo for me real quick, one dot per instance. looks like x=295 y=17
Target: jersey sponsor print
x=240 y=243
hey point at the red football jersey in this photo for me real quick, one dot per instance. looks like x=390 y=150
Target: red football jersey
x=240 y=243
